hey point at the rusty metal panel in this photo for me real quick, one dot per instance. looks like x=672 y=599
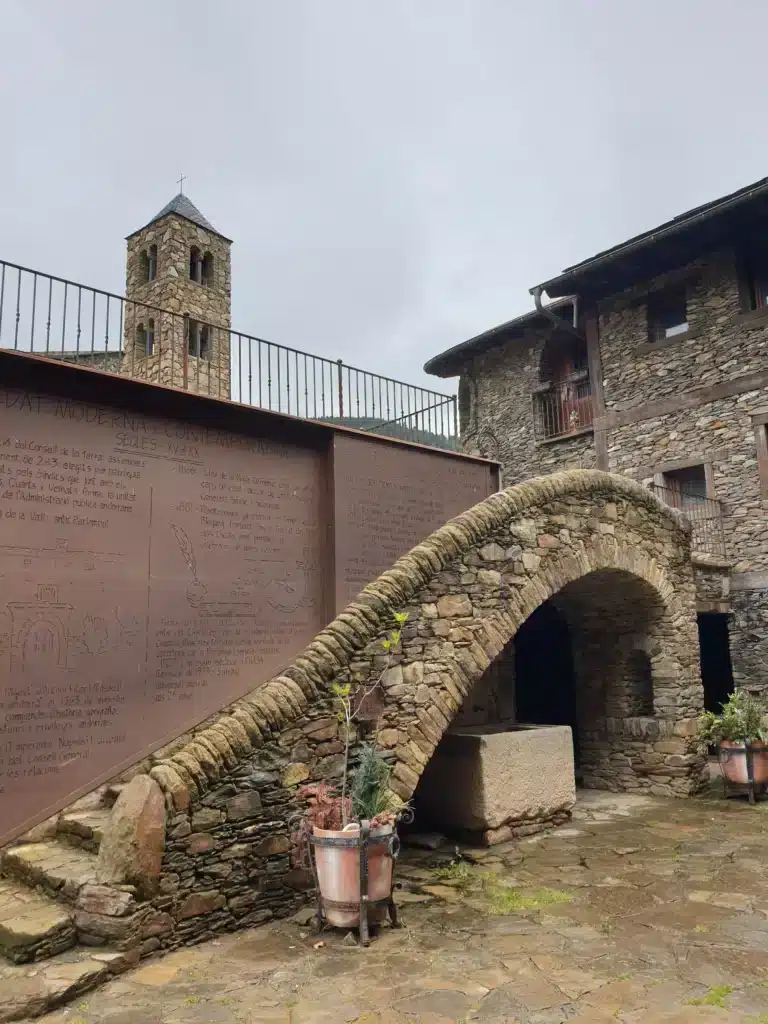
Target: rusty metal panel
x=388 y=498
x=152 y=571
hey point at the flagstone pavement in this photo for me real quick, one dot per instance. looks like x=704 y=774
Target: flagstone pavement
x=640 y=910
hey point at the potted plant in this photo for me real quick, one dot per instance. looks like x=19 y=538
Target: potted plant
x=739 y=734
x=349 y=838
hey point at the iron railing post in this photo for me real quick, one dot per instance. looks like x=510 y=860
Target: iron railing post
x=340 y=376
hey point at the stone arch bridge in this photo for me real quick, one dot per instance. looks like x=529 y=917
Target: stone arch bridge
x=202 y=830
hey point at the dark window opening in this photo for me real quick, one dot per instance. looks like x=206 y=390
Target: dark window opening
x=686 y=488
x=141 y=340
x=639 y=685
x=667 y=314
x=715 y=659
x=150 y=338
x=562 y=359
x=195 y=265
x=206 y=270
x=148 y=262
x=199 y=339
x=756 y=262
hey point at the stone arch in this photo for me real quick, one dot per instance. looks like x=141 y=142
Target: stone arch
x=490 y=567
x=483 y=632
x=231 y=784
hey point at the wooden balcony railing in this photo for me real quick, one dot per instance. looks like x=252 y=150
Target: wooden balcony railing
x=563 y=408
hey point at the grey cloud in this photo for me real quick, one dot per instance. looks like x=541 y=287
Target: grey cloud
x=395 y=176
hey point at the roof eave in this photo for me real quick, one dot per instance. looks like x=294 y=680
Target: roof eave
x=173 y=213
x=568 y=282
x=443 y=365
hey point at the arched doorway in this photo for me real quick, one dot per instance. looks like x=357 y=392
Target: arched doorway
x=590 y=658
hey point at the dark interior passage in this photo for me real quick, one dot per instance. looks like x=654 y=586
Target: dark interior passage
x=545 y=686
x=715 y=655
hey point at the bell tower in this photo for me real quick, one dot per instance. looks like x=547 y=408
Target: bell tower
x=179 y=301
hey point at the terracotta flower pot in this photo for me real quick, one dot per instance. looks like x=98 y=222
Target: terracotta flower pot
x=733 y=761
x=338 y=873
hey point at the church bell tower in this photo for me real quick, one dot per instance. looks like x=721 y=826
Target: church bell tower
x=179 y=301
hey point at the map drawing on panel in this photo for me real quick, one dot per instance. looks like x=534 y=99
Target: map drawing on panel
x=285 y=589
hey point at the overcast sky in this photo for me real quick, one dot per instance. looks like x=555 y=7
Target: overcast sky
x=395 y=175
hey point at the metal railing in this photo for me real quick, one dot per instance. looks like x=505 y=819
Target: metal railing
x=60 y=319
x=705 y=515
x=563 y=408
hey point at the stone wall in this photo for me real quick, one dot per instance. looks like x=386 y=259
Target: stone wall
x=718 y=346
x=231 y=787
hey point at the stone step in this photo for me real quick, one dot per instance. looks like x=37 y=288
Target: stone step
x=58 y=868
x=28 y=990
x=83 y=828
x=32 y=927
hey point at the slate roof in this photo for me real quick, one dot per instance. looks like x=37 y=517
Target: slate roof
x=184 y=207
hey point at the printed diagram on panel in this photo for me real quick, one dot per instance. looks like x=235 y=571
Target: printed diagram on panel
x=60 y=626
x=285 y=588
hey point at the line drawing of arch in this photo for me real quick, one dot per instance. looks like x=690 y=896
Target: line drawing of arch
x=51 y=618
x=259 y=715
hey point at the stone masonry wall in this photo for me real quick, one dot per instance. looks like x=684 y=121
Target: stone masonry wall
x=718 y=346
x=230 y=788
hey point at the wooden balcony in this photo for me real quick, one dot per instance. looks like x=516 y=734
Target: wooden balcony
x=563 y=409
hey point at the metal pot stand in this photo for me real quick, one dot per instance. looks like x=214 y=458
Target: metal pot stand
x=730 y=788
x=364 y=840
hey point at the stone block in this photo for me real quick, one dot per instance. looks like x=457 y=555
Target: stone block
x=271 y=846
x=295 y=773
x=133 y=842
x=492 y=553
x=452 y=606
x=205 y=818
x=199 y=903
x=244 y=805
x=103 y=899
x=201 y=842
x=467 y=783
x=413 y=674
x=322 y=729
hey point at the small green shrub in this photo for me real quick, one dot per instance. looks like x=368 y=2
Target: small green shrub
x=741 y=720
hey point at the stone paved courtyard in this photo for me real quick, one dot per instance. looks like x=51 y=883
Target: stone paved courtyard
x=641 y=910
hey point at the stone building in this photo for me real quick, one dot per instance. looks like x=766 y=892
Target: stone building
x=649 y=359
x=178 y=302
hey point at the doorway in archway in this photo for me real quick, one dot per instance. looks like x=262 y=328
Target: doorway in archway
x=545 y=684
x=715 y=659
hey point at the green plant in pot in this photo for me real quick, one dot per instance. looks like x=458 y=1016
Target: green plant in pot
x=739 y=733
x=330 y=831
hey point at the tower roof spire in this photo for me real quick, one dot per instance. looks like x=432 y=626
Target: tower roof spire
x=183 y=206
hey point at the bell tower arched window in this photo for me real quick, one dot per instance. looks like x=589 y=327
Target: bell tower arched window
x=207 y=270
x=195 y=265
x=199 y=339
x=140 y=343
x=148 y=260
